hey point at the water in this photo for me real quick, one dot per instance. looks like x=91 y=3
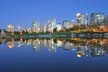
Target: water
x=51 y=55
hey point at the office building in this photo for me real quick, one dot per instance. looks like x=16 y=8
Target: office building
x=97 y=19
x=35 y=26
x=72 y=23
x=41 y=29
x=66 y=24
x=10 y=28
x=82 y=19
x=44 y=28
x=51 y=25
x=107 y=19
x=59 y=26
x=29 y=30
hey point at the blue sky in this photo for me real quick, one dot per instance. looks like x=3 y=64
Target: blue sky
x=23 y=12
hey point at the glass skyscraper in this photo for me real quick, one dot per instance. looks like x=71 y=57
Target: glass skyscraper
x=107 y=19
x=66 y=24
x=51 y=25
x=97 y=18
x=35 y=26
x=82 y=19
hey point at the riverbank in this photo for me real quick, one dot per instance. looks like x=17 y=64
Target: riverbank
x=57 y=35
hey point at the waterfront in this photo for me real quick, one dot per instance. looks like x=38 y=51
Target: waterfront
x=56 y=35
x=54 y=55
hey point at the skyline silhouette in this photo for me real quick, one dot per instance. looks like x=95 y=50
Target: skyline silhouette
x=24 y=12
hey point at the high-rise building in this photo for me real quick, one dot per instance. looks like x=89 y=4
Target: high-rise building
x=44 y=28
x=10 y=28
x=97 y=18
x=41 y=28
x=107 y=19
x=35 y=26
x=58 y=26
x=82 y=19
x=66 y=24
x=29 y=30
x=72 y=23
x=51 y=25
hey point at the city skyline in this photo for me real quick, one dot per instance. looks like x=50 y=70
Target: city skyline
x=53 y=35
x=23 y=12
x=81 y=18
x=99 y=21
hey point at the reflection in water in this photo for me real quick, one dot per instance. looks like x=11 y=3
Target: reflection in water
x=83 y=47
x=36 y=44
x=11 y=43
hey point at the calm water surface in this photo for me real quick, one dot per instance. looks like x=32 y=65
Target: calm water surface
x=72 y=55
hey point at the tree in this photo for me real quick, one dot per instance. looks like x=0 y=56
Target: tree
x=55 y=30
x=0 y=30
x=5 y=31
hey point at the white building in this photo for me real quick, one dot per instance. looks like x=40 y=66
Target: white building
x=72 y=23
x=29 y=30
x=58 y=26
x=10 y=28
x=82 y=19
x=66 y=24
x=36 y=26
x=45 y=28
x=51 y=25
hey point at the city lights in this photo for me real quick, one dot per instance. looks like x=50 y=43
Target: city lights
x=90 y=28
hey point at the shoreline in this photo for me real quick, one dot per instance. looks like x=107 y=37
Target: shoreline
x=58 y=35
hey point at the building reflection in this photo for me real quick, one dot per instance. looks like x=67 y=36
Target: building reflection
x=66 y=45
x=20 y=42
x=36 y=44
x=51 y=46
x=10 y=43
x=82 y=50
x=98 y=48
x=59 y=44
x=82 y=47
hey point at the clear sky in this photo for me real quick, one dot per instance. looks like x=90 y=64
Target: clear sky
x=23 y=12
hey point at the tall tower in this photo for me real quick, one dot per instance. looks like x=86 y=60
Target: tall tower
x=66 y=24
x=35 y=26
x=10 y=28
x=51 y=25
x=82 y=19
x=82 y=22
x=97 y=19
x=107 y=19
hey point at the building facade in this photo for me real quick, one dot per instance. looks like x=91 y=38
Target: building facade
x=10 y=28
x=82 y=19
x=51 y=25
x=107 y=19
x=97 y=19
x=35 y=26
x=66 y=24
